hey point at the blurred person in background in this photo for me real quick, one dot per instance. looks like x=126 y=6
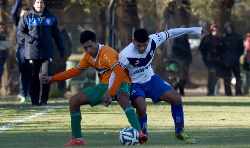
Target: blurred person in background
x=17 y=12
x=211 y=49
x=232 y=50
x=39 y=28
x=59 y=64
x=181 y=52
x=245 y=64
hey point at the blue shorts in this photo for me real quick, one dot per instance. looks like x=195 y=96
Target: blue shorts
x=153 y=89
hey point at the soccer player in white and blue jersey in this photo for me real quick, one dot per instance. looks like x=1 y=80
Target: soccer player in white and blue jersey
x=135 y=60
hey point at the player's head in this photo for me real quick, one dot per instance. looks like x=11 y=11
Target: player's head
x=39 y=5
x=88 y=41
x=140 y=40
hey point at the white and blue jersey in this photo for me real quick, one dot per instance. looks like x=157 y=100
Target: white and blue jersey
x=139 y=65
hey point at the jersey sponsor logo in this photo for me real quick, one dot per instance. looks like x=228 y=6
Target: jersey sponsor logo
x=37 y=21
x=142 y=69
x=140 y=62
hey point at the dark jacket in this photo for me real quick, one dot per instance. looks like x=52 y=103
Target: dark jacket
x=211 y=50
x=181 y=49
x=232 y=49
x=38 y=29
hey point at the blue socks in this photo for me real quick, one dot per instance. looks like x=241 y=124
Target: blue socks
x=177 y=113
x=143 y=122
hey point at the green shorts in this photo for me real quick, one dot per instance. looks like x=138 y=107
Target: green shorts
x=95 y=94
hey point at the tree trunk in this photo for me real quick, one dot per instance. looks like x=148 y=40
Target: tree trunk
x=222 y=12
x=101 y=28
x=127 y=20
x=10 y=84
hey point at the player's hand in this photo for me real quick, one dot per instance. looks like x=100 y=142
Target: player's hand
x=45 y=79
x=107 y=100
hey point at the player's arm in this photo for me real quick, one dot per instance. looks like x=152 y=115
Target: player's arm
x=177 y=32
x=73 y=72
x=161 y=37
x=70 y=73
x=116 y=79
x=118 y=75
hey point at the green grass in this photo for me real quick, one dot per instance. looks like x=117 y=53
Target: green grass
x=217 y=122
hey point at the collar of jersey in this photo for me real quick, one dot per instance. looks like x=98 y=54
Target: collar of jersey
x=99 y=48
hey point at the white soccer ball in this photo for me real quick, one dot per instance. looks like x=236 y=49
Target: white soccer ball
x=129 y=136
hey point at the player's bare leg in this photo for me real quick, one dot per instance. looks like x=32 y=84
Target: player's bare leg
x=141 y=108
x=123 y=100
x=175 y=100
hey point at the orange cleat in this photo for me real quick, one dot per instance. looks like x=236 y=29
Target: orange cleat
x=75 y=142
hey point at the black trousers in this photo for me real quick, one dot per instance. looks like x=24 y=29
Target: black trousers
x=229 y=71
x=39 y=93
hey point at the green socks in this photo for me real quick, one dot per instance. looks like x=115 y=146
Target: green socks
x=132 y=118
x=76 y=124
x=76 y=121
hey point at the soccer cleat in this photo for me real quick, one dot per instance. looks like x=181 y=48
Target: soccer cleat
x=75 y=142
x=186 y=138
x=143 y=138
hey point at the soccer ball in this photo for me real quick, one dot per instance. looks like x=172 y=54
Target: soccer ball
x=129 y=136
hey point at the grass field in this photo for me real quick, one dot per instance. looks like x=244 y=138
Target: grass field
x=217 y=122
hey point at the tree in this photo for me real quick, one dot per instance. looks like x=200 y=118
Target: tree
x=10 y=78
x=127 y=20
x=218 y=11
x=222 y=11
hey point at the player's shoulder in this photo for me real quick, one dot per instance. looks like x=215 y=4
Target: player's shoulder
x=127 y=51
x=159 y=36
x=85 y=56
x=108 y=49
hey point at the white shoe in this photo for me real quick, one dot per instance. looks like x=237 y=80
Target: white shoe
x=22 y=98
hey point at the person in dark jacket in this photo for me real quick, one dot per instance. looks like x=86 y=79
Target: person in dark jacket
x=59 y=64
x=18 y=11
x=211 y=49
x=39 y=28
x=182 y=54
x=232 y=50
